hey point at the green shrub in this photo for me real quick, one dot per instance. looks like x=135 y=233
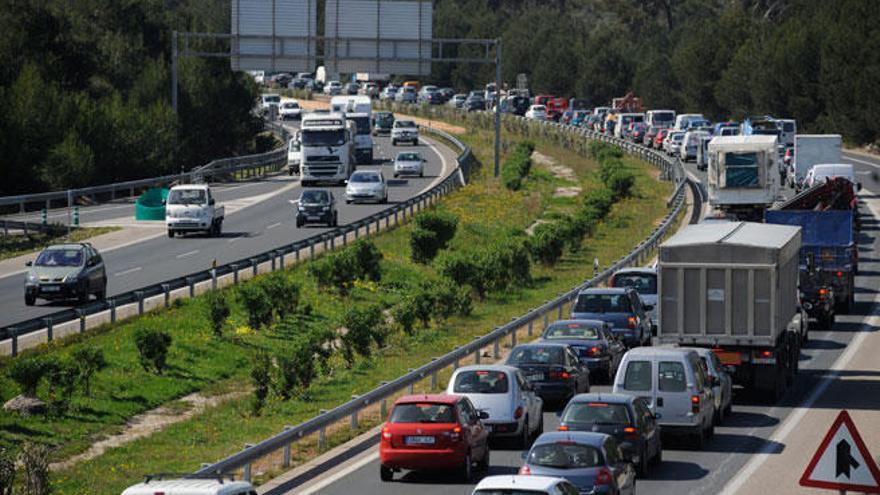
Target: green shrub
x=601 y=151
x=336 y=270
x=152 y=345
x=432 y=232
x=62 y=377
x=515 y=258
x=282 y=292
x=367 y=258
x=261 y=378
x=424 y=245
x=27 y=373
x=89 y=360
x=257 y=304
x=597 y=204
x=467 y=267
x=517 y=166
x=363 y=328
x=404 y=314
x=546 y=243
x=621 y=183
x=218 y=310
x=450 y=299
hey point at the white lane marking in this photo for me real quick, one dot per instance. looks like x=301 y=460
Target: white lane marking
x=444 y=167
x=798 y=414
x=273 y=226
x=234 y=239
x=184 y=255
x=352 y=467
x=857 y=160
x=126 y=272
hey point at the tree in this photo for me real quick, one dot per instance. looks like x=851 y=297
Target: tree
x=257 y=304
x=62 y=377
x=218 y=310
x=152 y=345
x=89 y=360
x=27 y=373
x=282 y=292
x=261 y=378
x=363 y=328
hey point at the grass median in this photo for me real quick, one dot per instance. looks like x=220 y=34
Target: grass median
x=21 y=244
x=200 y=362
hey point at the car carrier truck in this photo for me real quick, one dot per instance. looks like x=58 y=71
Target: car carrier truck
x=733 y=287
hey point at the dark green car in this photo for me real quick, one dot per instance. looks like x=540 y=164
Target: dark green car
x=382 y=123
x=66 y=271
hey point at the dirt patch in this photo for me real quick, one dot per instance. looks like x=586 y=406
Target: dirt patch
x=144 y=425
x=558 y=171
x=567 y=192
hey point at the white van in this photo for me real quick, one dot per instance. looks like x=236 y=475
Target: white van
x=690 y=144
x=621 y=130
x=824 y=171
x=676 y=387
x=682 y=121
x=191 y=486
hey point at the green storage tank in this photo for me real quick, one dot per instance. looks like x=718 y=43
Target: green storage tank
x=151 y=204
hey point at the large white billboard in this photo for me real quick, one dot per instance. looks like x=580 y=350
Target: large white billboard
x=274 y=35
x=378 y=36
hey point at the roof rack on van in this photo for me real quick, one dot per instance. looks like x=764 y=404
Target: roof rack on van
x=220 y=477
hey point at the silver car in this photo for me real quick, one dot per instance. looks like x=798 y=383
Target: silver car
x=720 y=381
x=409 y=163
x=66 y=271
x=366 y=185
x=404 y=130
x=515 y=411
x=406 y=94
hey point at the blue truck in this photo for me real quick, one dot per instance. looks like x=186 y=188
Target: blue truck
x=828 y=260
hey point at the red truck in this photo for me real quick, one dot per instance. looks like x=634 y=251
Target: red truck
x=556 y=106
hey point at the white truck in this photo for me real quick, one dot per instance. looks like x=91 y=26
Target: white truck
x=812 y=149
x=733 y=287
x=660 y=118
x=192 y=208
x=743 y=175
x=326 y=148
x=683 y=120
x=359 y=110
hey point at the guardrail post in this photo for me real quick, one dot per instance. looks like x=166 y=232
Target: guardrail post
x=14 y=332
x=396 y=221
x=191 y=282
x=139 y=294
x=322 y=433
x=496 y=351
x=272 y=259
x=246 y=469
x=412 y=386
x=166 y=288
x=281 y=258
x=545 y=320
x=354 y=416
x=285 y=455
x=477 y=353
x=49 y=329
x=254 y=266
x=296 y=255
x=559 y=312
x=332 y=242
x=433 y=377
x=112 y=311
x=367 y=225
x=311 y=250
x=383 y=406
x=357 y=233
x=530 y=328
x=82 y=320
x=234 y=273
x=213 y=279
x=513 y=338
x=455 y=363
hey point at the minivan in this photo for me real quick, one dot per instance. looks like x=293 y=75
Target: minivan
x=674 y=383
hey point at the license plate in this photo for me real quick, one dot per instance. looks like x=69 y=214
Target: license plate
x=313 y=217
x=420 y=440
x=732 y=358
x=50 y=288
x=535 y=377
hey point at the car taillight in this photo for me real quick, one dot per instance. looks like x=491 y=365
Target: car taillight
x=631 y=433
x=386 y=433
x=455 y=435
x=525 y=471
x=562 y=428
x=594 y=351
x=603 y=477
x=695 y=404
x=558 y=375
x=632 y=321
x=839 y=274
x=518 y=413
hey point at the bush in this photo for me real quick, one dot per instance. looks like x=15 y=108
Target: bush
x=27 y=373
x=517 y=166
x=467 y=268
x=89 y=360
x=336 y=270
x=152 y=345
x=261 y=377
x=367 y=258
x=404 y=314
x=364 y=327
x=218 y=311
x=282 y=292
x=35 y=460
x=546 y=243
x=61 y=377
x=515 y=257
x=597 y=204
x=424 y=245
x=621 y=183
x=450 y=299
x=257 y=304
x=601 y=151
x=432 y=232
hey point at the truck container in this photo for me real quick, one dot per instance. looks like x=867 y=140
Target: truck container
x=358 y=109
x=812 y=149
x=742 y=173
x=733 y=287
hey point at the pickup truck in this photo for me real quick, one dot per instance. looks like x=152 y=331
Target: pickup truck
x=192 y=208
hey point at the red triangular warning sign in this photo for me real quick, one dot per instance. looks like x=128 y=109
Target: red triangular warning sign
x=842 y=462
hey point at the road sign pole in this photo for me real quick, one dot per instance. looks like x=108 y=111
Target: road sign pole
x=69 y=205
x=497 y=106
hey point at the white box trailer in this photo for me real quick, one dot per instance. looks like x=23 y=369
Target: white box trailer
x=733 y=287
x=813 y=149
x=743 y=175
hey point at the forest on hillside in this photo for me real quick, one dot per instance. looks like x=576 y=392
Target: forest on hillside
x=85 y=93
x=817 y=61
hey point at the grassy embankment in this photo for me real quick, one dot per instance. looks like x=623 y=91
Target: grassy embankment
x=17 y=245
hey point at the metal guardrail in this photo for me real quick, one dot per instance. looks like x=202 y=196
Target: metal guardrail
x=379 y=395
x=274 y=257
x=213 y=170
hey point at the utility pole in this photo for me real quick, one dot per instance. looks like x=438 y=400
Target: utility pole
x=174 y=71
x=497 y=106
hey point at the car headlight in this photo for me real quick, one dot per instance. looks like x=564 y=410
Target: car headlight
x=32 y=279
x=325 y=208
x=71 y=277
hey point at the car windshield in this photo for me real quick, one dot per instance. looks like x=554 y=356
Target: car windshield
x=678 y=137
x=596 y=413
x=314 y=197
x=643 y=283
x=186 y=197
x=60 y=257
x=291 y=105
x=272 y=99
x=409 y=157
x=536 y=355
x=564 y=455
x=409 y=124
x=384 y=118
x=323 y=138
x=422 y=413
x=602 y=303
x=638 y=376
x=571 y=331
x=362 y=178
x=481 y=382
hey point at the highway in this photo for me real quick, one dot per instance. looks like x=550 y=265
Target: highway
x=266 y=224
x=754 y=427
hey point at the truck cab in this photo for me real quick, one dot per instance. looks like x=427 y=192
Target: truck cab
x=359 y=111
x=192 y=208
x=742 y=173
x=327 y=148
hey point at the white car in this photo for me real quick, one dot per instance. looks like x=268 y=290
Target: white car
x=690 y=144
x=673 y=143
x=294 y=154
x=537 y=112
x=524 y=485
x=333 y=88
x=215 y=485
x=192 y=208
x=268 y=100
x=719 y=379
x=409 y=163
x=370 y=89
x=366 y=185
x=406 y=131
x=289 y=109
x=515 y=411
x=388 y=93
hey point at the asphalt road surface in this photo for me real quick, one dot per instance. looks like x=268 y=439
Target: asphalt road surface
x=257 y=228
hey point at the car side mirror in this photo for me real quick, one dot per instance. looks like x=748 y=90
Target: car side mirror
x=648 y=307
x=559 y=414
x=29 y=263
x=212 y=201
x=484 y=415
x=91 y=262
x=858 y=186
x=524 y=454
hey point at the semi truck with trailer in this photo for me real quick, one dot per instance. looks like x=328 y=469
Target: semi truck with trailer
x=733 y=287
x=358 y=110
x=743 y=175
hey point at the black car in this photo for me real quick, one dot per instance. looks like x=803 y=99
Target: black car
x=474 y=102
x=592 y=341
x=66 y=271
x=382 y=123
x=625 y=417
x=317 y=206
x=554 y=370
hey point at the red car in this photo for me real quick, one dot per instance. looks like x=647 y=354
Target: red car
x=434 y=432
x=658 y=139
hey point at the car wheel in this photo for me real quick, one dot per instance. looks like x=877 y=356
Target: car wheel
x=170 y=233
x=525 y=439
x=395 y=176
x=299 y=223
x=699 y=439
x=30 y=299
x=643 y=464
x=711 y=431
x=467 y=468
x=393 y=142
x=729 y=409
x=386 y=474
x=421 y=174
x=335 y=220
